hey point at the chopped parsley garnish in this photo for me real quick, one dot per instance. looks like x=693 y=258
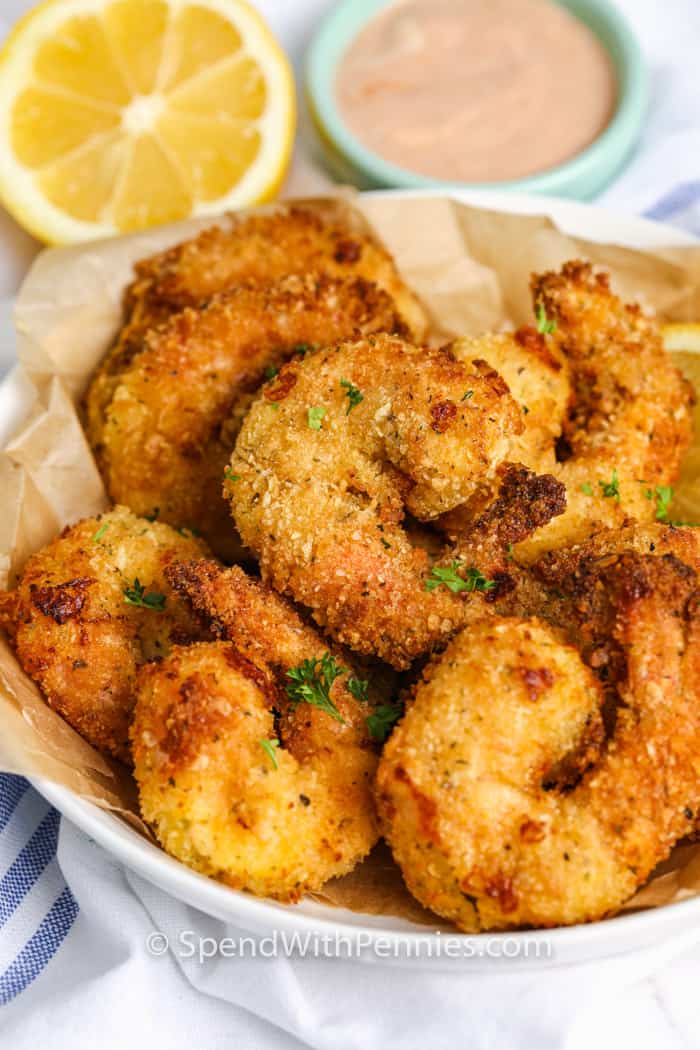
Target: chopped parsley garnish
x=472 y=581
x=526 y=410
x=611 y=489
x=469 y=393
x=311 y=683
x=382 y=721
x=587 y=488
x=268 y=747
x=138 y=595
x=357 y=687
x=353 y=394
x=230 y=476
x=100 y=532
x=664 y=497
x=544 y=325
x=274 y=404
x=270 y=372
x=302 y=348
x=315 y=415
x=154 y=515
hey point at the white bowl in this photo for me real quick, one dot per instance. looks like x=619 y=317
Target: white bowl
x=377 y=938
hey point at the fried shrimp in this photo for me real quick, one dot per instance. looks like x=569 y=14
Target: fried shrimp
x=252 y=755
x=170 y=427
x=263 y=248
x=505 y=802
x=334 y=454
x=629 y=422
x=89 y=609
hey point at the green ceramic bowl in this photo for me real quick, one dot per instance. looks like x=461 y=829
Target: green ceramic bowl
x=581 y=178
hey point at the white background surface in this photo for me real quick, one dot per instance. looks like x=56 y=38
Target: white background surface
x=103 y=989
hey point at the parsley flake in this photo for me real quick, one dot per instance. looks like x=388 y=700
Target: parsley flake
x=100 y=532
x=469 y=394
x=268 y=747
x=544 y=325
x=611 y=489
x=230 y=476
x=382 y=721
x=664 y=497
x=357 y=687
x=587 y=488
x=353 y=394
x=315 y=415
x=154 y=515
x=270 y=372
x=137 y=595
x=302 y=348
x=473 y=581
x=311 y=683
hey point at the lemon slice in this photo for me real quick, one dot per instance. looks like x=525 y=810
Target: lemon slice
x=683 y=343
x=120 y=114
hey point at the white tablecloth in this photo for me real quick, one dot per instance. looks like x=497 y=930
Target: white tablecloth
x=75 y=967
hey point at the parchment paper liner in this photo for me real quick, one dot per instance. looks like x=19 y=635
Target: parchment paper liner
x=471 y=268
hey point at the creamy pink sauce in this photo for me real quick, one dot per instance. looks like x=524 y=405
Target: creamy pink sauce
x=476 y=90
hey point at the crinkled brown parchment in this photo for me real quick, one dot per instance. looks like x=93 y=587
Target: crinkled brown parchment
x=471 y=268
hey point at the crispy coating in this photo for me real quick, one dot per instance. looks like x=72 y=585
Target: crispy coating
x=524 y=812
x=363 y=433
x=263 y=625
x=277 y=826
x=75 y=633
x=264 y=248
x=629 y=423
x=537 y=375
x=169 y=429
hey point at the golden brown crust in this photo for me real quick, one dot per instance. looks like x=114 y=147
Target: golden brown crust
x=170 y=425
x=76 y=635
x=538 y=817
x=629 y=422
x=321 y=500
x=277 y=825
x=262 y=248
x=265 y=248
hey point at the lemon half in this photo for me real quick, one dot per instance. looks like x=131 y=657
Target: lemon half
x=121 y=114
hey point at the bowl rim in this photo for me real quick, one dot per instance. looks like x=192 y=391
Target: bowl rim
x=597 y=163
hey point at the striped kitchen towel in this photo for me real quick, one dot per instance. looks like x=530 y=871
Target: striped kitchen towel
x=37 y=908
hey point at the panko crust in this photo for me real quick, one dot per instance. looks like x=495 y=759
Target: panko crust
x=629 y=422
x=76 y=635
x=168 y=431
x=477 y=799
x=537 y=375
x=322 y=484
x=262 y=248
x=277 y=825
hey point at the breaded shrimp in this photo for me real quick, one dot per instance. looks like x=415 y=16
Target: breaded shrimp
x=503 y=802
x=171 y=424
x=260 y=247
x=332 y=456
x=630 y=421
x=89 y=609
x=252 y=755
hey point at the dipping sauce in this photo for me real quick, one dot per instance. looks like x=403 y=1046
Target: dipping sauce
x=476 y=90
